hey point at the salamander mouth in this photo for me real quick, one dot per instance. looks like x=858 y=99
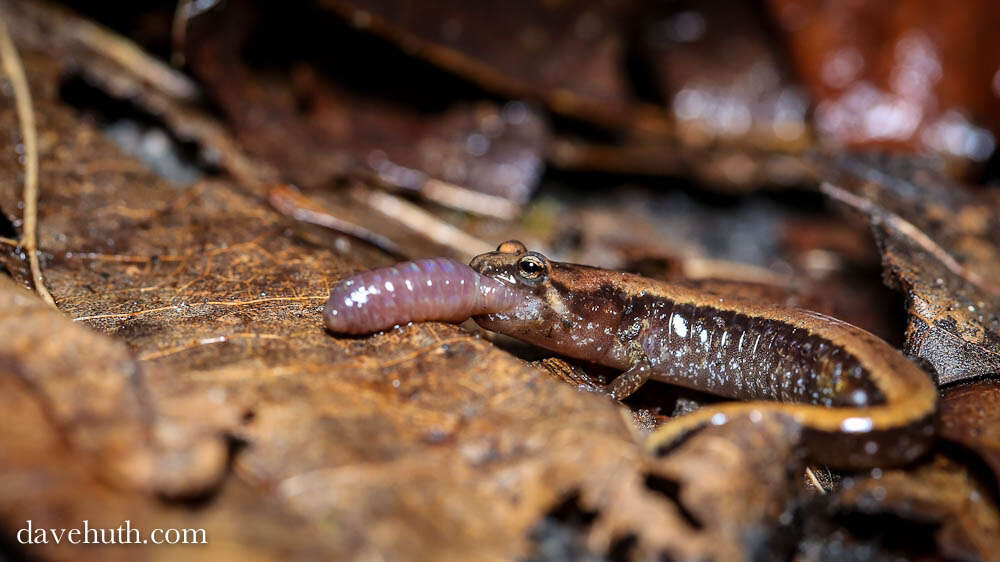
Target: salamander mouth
x=496 y=266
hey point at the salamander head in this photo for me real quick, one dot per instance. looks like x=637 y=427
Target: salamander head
x=558 y=311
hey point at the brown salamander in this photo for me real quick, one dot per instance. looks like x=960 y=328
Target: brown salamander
x=858 y=401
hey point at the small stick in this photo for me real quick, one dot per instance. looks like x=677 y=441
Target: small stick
x=186 y=11
x=815 y=481
x=131 y=57
x=26 y=117
x=415 y=218
x=465 y=199
x=290 y=202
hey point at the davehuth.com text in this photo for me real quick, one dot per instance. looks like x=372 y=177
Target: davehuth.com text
x=122 y=534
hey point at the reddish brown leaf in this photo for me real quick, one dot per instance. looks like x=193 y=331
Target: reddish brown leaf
x=970 y=415
x=905 y=74
x=942 y=493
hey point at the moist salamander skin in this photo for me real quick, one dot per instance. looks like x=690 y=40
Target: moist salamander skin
x=859 y=401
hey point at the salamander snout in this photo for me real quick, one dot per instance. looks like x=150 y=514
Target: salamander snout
x=496 y=265
x=513 y=264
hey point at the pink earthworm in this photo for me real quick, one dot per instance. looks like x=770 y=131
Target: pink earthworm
x=430 y=289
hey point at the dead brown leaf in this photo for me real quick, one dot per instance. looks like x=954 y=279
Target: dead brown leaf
x=568 y=55
x=941 y=493
x=939 y=246
x=970 y=415
x=496 y=150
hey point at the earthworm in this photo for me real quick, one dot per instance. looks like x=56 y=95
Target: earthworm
x=429 y=289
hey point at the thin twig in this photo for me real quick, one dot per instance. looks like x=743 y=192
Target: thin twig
x=441 y=192
x=290 y=202
x=132 y=57
x=815 y=481
x=185 y=11
x=465 y=199
x=26 y=117
x=424 y=223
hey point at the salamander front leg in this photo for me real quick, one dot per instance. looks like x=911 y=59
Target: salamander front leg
x=630 y=381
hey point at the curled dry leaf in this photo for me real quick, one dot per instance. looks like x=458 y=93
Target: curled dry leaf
x=47 y=480
x=101 y=405
x=939 y=244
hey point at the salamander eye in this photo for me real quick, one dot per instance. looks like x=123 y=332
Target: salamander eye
x=533 y=268
x=512 y=247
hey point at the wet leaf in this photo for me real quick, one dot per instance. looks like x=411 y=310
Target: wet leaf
x=570 y=55
x=943 y=494
x=898 y=74
x=717 y=68
x=939 y=246
x=493 y=149
x=970 y=415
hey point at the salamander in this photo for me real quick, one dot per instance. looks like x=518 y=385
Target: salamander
x=858 y=401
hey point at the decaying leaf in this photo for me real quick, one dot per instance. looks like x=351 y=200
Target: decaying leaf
x=939 y=242
x=496 y=150
x=903 y=74
x=48 y=482
x=570 y=55
x=970 y=415
x=727 y=494
x=943 y=495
